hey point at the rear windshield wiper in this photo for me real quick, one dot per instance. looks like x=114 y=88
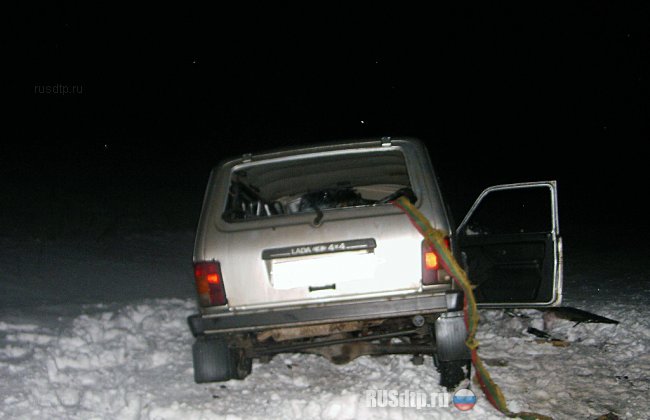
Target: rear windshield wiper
x=319 y=213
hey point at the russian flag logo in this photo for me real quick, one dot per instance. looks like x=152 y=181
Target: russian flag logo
x=464 y=399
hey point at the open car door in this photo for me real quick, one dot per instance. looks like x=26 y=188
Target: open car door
x=511 y=248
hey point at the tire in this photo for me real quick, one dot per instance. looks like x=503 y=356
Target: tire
x=452 y=372
x=241 y=365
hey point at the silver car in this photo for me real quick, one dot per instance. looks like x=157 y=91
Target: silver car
x=301 y=250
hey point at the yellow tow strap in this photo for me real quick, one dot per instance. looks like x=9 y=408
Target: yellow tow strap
x=436 y=240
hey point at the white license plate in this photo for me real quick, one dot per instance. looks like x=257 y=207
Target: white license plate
x=322 y=270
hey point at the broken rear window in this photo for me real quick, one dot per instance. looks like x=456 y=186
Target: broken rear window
x=314 y=184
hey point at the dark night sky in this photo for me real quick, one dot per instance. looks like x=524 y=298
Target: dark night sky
x=500 y=93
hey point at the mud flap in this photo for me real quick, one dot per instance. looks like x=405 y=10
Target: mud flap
x=451 y=334
x=212 y=360
x=453 y=359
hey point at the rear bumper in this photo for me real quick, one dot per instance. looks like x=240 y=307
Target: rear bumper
x=291 y=317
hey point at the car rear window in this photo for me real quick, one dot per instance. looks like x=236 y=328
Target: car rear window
x=288 y=186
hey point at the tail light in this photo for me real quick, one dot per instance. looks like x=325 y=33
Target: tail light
x=209 y=283
x=432 y=271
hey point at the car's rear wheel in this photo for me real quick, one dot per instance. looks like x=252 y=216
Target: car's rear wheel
x=453 y=372
x=242 y=365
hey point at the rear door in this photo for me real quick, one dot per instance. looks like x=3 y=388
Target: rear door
x=312 y=227
x=511 y=248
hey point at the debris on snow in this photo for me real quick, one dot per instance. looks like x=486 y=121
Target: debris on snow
x=576 y=315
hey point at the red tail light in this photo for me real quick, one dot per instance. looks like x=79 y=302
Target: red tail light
x=209 y=283
x=431 y=268
x=430 y=261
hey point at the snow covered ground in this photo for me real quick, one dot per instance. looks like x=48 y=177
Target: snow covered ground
x=105 y=336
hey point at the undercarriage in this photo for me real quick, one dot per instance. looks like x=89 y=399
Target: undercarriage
x=442 y=336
